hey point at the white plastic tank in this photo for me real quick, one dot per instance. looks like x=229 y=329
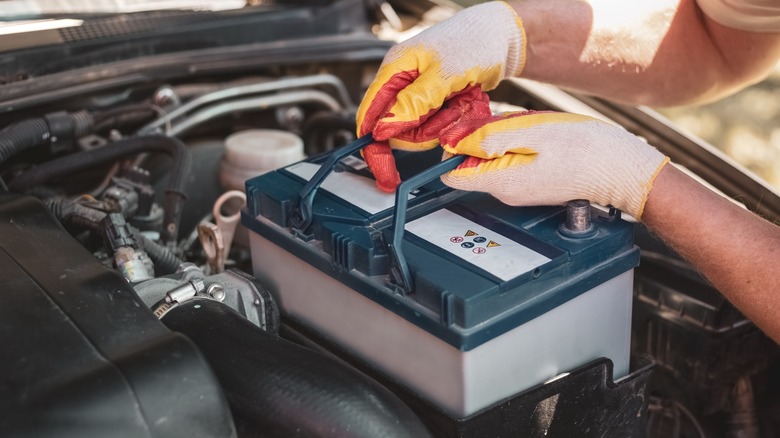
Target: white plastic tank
x=252 y=152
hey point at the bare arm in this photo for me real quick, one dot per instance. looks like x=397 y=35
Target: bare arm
x=659 y=53
x=733 y=248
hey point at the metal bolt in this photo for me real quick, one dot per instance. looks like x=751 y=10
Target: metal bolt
x=290 y=117
x=166 y=95
x=216 y=291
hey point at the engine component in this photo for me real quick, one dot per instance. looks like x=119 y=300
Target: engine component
x=476 y=301
x=326 y=130
x=252 y=152
x=252 y=89
x=55 y=128
x=90 y=216
x=213 y=244
x=278 y=388
x=227 y=215
x=217 y=239
x=252 y=104
x=175 y=194
x=132 y=194
x=133 y=264
x=239 y=291
x=82 y=356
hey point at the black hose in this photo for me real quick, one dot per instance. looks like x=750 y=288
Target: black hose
x=54 y=127
x=324 y=121
x=174 y=195
x=165 y=262
x=124 y=116
x=278 y=388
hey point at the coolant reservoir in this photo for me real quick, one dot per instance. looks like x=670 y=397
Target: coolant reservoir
x=464 y=300
x=255 y=151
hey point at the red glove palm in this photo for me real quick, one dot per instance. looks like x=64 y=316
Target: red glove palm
x=469 y=104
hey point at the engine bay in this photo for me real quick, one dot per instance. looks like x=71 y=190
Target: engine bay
x=134 y=306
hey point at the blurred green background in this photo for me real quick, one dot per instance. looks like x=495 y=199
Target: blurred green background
x=745 y=125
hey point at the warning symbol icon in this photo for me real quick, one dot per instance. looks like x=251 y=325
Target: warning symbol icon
x=492 y=244
x=470 y=233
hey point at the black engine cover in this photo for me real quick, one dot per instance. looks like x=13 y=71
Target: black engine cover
x=80 y=353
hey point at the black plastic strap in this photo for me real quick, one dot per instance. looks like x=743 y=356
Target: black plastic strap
x=301 y=216
x=400 y=269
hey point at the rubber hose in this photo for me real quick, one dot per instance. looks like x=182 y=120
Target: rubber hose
x=26 y=134
x=22 y=135
x=124 y=116
x=324 y=121
x=278 y=388
x=165 y=262
x=174 y=195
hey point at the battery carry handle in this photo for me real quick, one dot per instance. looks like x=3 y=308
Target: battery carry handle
x=302 y=213
x=400 y=269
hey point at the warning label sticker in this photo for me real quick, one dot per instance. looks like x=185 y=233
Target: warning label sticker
x=480 y=246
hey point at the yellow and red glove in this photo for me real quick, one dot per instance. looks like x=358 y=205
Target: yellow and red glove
x=419 y=78
x=470 y=104
x=549 y=158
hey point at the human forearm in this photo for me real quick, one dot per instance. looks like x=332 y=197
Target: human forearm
x=733 y=248
x=656 y=53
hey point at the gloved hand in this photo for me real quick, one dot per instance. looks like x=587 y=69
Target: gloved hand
x=549 y=158
x=477 y=47
x=469 y=104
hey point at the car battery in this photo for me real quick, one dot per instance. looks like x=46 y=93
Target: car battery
x=462 y=299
